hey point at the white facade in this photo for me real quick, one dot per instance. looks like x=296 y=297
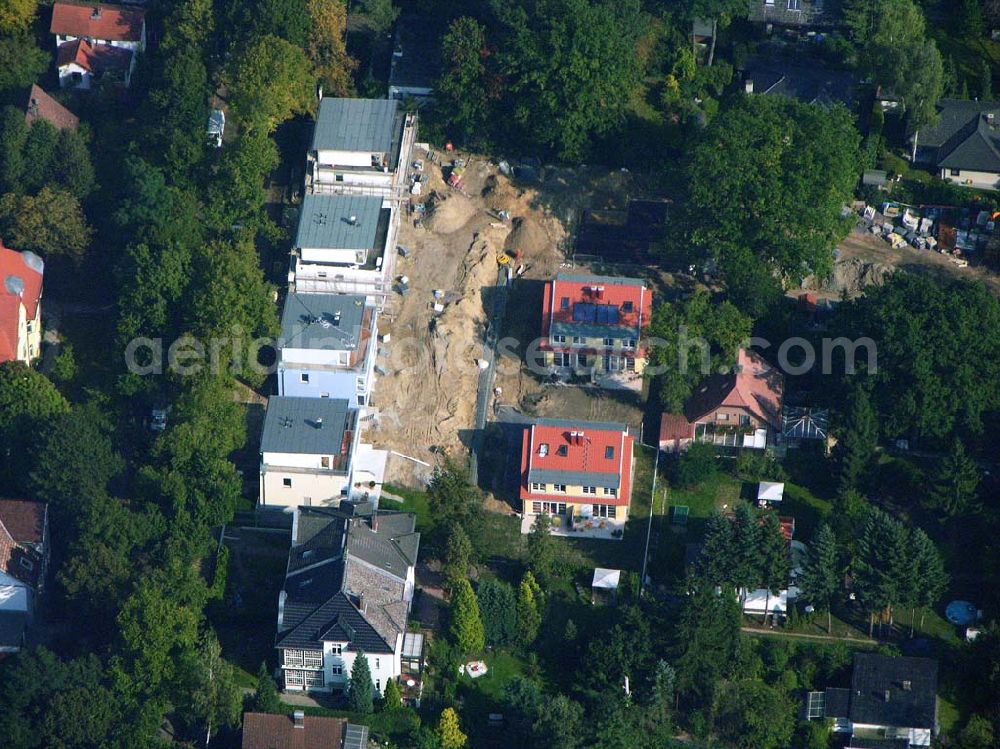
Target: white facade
x=970 y=178
x=135 y=46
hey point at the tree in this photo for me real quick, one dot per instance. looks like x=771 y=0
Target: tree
x=774 y=558
x=460 y=92
x=926 y=570
x=956 y=482
x=725 y=10
x=985 y=81
x=541 y=547
x=457 y=557
x=559 y=725
x=451 y=494
x=449 y=731
x=50 y=223
x=759 y=160
x=524 y=703
x=977 y=734
x=529 y=615
x=288 y=19
x=392 y=696
x=717 y=561
x=27 y=401
x=705 y=642
x=819 y=580
x=696 y=465
x=271 y=81
x=755 y=715
x=16 y=15
x=360 y=691
x=498 y=609
x=208 y=695
x=972 y=22
x=747 y=572
x=265 y=697
x=882 y=571
x=21 y=61
x=327 y=46
x=572 y=68
x=466 y=624
x=855 y=451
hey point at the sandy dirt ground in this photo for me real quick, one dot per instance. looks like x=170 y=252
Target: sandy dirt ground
x=425 y=401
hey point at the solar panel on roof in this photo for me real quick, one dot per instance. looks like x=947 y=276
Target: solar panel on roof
x=816 y=705
x=356 y=737
x=607 y=314
x=584 y=312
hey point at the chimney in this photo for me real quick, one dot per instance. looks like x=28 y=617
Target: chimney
x=299 y=719
x=748 y=85
x=319 y=422
x=96 y=14
x=354 y=220
x=907 y=685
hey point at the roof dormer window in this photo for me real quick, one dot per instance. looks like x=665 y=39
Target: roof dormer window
x=543 y=449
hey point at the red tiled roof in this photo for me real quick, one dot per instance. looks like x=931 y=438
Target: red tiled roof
x=585 y=455
x=113 y=23
x=596 y=290
x=264 y=731
x=96 y=59
x=755 y=386
x=22 y=522
x=41 y=106
x=675 y=427
x=12 y=263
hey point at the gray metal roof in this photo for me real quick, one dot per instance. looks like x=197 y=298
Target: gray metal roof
x=575 y=478
x=355 y=125
x=894 y=691
x=325 y=222
x=322 y=321
x=309 y=426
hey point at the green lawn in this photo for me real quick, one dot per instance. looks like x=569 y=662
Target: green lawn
x=415 y=502
x=484 y=695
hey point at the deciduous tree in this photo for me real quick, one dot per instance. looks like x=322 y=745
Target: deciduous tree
x=21 y=61
x=16 y=15
x=460 y=93
x=328 y=48
x=271 y=81
x=755 y=715
x=49 y=223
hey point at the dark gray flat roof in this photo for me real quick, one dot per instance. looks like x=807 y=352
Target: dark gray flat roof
x=322 y=321
x=325 y=222
x=309 y=426
x=911 y=686
x=575 y=478
x=355 y=125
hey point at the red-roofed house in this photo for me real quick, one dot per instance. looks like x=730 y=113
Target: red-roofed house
x=594 y=325
x=96 y=39
x=41 y=106
x=24 y=556
x=98 y=23
x=301 y=731
x=20 y=305
x=578 y=472
x=81 y=63
x=740 y=409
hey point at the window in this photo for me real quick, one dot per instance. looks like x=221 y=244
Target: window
x=537 y=487
x=560 y=360
x=336 y=649
x=26 y=563
x=626 y=306
x=304 y=378
x=293 y=679
x=722 y=417
x=956 y=172
x=609 y=452
x=564 y=303
x=376 y=663
x=361 y=400
x=577 y=340
x=543 y=449
x=605 y=511
x=610 y=491
x=337 y=670
x=293 y=657
x=551 y=508
x=559 y=338
x=581 y=360
x=360 y=383
x=561 y=488
x=794 y=5
x=287 y=483
x=324 y=461
x=313 y=679
x=324 y=395
x=609 y=341
x=312 y=658
x=322 y=274
x=536 y=507
x=629 y=343
x=378 y=685
x=744 y=420
x=590 y=490
x=562 y=451
x=629 y=364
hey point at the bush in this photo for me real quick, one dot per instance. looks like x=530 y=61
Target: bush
x=696 y=465
x=754 y=465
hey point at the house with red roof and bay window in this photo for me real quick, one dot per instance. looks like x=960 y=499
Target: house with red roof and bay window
x=738 y=409
x=94 y=40
x=594 y=326
x=579 y=473
x=20 y=305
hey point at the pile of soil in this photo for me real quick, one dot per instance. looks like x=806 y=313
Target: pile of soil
x=449 y=213
x=854 y=275
x=529 y=237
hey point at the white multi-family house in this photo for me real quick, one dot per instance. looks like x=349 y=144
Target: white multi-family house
x=344 y=245
x=20 y=305
x=348 y=590
x=306 y=452
x=360 y=146
x=327 y=347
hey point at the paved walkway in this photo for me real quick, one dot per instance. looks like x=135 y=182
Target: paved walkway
x=805 y=636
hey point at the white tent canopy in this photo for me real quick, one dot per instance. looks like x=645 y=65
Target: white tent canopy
x=606 y=579
x=770 y=491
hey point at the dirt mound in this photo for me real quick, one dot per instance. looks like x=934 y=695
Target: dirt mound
x=529 y=236
x=498 y=193
x=854 y=275
x=449 y=213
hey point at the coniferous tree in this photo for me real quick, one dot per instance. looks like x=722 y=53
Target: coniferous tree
x=265 y=698
x=985 y=82
x=717 y=556
x=746 y=548
x=774 y=558
x=458 y=556
x=529 y=605
x=449 y=730
x=466 y=623
x=956 y=482
x=855 y=450
x=498 y=609
x=393 y=698
x=706 y=637
x=819 y=575
x=361 y=690
x=927 y=570
x=541 y=547
x=882 y=567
